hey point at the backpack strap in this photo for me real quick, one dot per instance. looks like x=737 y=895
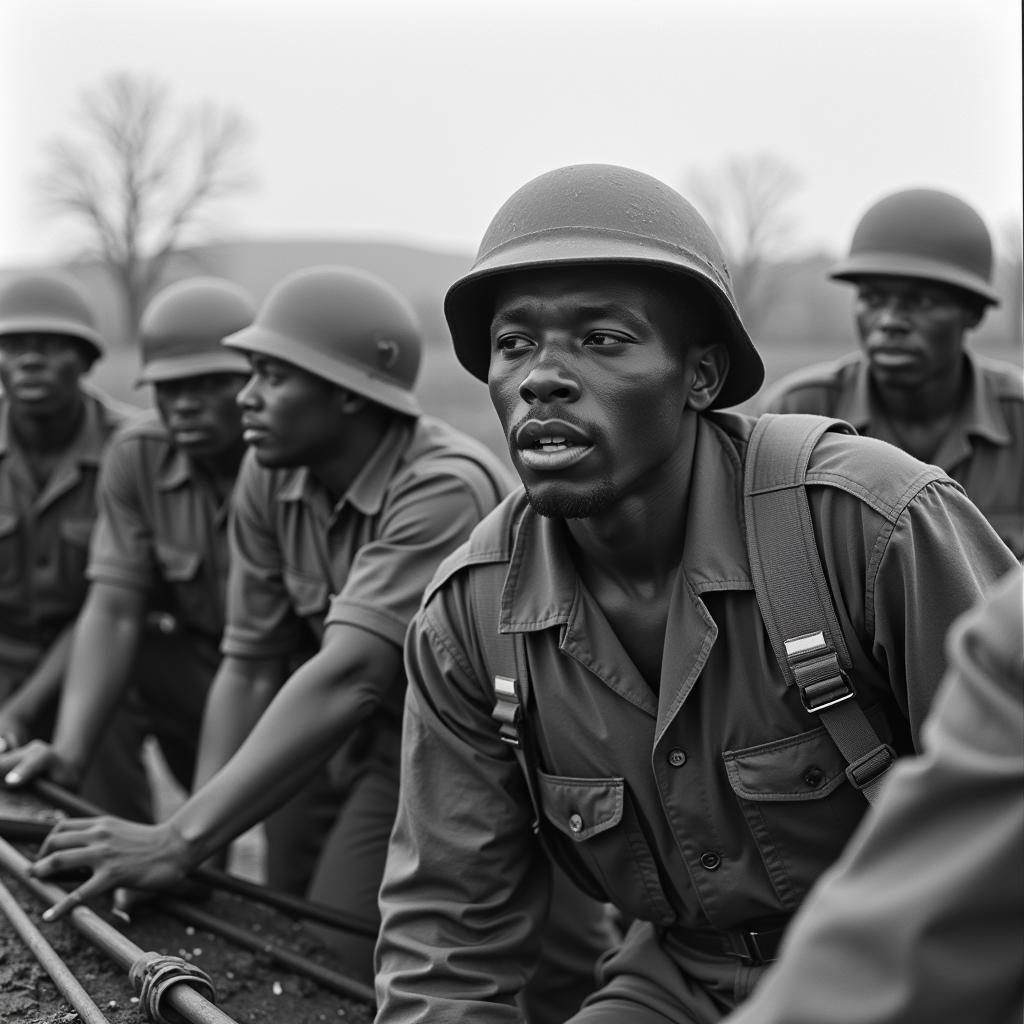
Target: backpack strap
x=792 y=592
x=507 y=652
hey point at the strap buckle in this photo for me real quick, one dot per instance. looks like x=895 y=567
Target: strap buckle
x=507 y=709
x=760 y=947
x=871 y=766
x=819 y=677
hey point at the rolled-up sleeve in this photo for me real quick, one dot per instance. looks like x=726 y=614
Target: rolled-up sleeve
x=465 y=883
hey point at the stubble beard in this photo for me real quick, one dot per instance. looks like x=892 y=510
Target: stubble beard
x=573 y=506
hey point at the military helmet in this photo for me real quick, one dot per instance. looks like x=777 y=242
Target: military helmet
x=49 y=302
x=346 y=326
x=599 y=214
x=922 y=233
x=182 y=327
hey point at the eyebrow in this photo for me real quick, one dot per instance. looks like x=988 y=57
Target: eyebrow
x=527 y=310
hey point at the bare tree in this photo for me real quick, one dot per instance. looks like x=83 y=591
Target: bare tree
x=746 y=202
x=138 y=176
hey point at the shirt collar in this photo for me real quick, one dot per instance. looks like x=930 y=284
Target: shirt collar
x=542 y=583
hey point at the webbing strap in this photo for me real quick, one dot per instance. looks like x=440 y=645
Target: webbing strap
x=792 y=592
x=505 y=650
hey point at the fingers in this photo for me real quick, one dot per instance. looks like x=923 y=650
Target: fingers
x=73 y=899
x=26 y=763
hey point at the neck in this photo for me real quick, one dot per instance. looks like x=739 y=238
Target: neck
x=50 y=433
x=936 y=398
x=338 y=470
x=223 y=467
x=641 y=538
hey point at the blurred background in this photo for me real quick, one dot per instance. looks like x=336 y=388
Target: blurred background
x=147 y=140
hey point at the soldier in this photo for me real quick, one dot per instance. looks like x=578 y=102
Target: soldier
x=345 y=506
x=146 y=645
x=593 y=668
x=921 y=918
x=921 y=262
x=52 y=435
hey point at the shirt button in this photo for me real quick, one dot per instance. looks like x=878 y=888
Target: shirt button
x=677 y=757
x=576 y=823
x=814 y=776
x=710 y=860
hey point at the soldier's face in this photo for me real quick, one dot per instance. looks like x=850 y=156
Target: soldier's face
x=289 y=417
x=40 y=373
x=912 y=331
x=202 y=413
x=591 y=374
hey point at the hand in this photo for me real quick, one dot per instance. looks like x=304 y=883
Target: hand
x=35 y=759
x=14 y=730
x=117 y=853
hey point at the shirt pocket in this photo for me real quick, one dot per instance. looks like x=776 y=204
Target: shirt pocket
x=798 y=804
x=309 y=594
x=75 y=534
x=11 y=548
x=597 y=839
x=181 y=570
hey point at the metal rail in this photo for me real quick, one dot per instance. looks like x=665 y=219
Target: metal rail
x=283 y=901
x=160 y=981
x=49 y=959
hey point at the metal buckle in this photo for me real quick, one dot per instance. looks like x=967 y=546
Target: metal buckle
x=753 y=954
x=815 y=697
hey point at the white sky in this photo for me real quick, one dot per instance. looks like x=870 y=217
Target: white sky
x=413 y=121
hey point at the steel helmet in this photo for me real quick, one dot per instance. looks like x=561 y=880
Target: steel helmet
x=182 y=327
x=923 y=233
x=345 y=325
x=599 y=213
x=49 y=302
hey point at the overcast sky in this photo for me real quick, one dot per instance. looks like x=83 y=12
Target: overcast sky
x=413 y=121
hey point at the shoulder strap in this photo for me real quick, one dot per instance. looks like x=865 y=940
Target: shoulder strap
x=504 y=653
x=793 y=594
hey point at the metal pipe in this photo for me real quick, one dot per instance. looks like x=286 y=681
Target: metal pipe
x=24 y=830
x=222 y=880
x=286 y=957
x=182 y=998
x=49 y=959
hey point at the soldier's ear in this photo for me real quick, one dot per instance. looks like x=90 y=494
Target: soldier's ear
x=350 y=402
x=709 y=373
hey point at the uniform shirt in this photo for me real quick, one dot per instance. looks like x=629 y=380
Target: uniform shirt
x=300 y=561
x=44 y=533
x=162 y=529
x=921 y=919
x=716 y=801
x=983 y=450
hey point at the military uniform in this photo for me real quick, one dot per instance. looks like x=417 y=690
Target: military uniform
x=706 y=810
x=983 y=449
x=300 y=562
x=921 y=919
x=162 y=531
x=44 y=538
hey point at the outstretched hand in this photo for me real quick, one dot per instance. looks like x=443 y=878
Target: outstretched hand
x=118 y=854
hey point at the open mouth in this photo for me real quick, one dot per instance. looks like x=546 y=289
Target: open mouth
x=551 y=444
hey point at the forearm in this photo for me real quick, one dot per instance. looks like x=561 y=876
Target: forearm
x=43 y=686
x=100 y=657
x=299 y=730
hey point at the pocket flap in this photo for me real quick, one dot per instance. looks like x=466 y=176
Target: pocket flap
x=178 y=565
x=807 y=766
x=309 y=594
x=77 y=531
x=581 y=808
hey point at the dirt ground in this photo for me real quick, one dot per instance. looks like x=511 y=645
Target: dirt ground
x=251 y=987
